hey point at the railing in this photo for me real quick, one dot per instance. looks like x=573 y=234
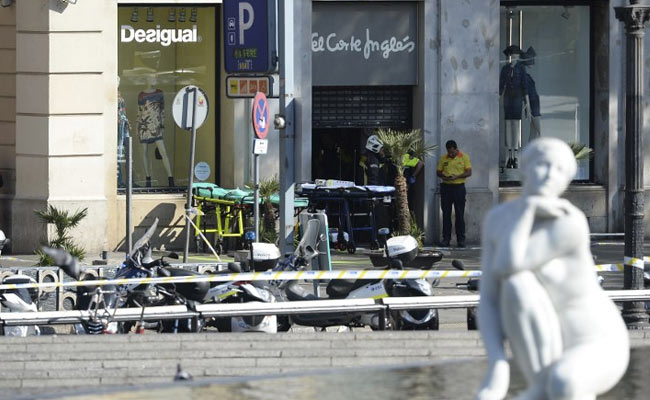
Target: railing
x=281 y=308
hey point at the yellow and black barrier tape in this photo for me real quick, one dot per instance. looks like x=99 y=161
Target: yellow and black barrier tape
x=282 y=276
x=260 y=276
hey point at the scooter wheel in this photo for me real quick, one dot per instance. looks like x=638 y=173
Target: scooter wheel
x=471 y=319
x=284 y=323
x=352 y=248
x=434 y=323
x=374 y=245
x=197 y=325
x=341 y=246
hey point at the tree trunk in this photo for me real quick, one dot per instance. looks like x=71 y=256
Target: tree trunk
x=403 y=213
x=269 y=216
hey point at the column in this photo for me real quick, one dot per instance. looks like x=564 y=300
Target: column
x=66 y=89
x=634 y=17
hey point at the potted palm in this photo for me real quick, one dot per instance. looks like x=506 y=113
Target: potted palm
x=268 y=187
x=396 y=145
x=63 y=222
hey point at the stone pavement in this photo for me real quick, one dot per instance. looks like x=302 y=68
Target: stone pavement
x=48 y=364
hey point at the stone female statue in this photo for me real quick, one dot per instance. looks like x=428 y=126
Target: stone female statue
x=539 y=290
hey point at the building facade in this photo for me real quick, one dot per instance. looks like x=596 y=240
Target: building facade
x=76 y=77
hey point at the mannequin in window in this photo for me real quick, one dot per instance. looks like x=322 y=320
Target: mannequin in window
x=534 y=111
x=512 y=88
x=151 y=126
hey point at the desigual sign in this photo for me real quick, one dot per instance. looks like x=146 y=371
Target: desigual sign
x=158 y=35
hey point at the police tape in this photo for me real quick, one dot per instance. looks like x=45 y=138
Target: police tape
x=280 y=276
x=259 y=276
x=610 y=267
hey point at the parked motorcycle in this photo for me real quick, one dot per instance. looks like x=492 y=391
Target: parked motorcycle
x=4 y=241
x=20 y=300
x=400 y=250
x=262 y=256
x=140 y=264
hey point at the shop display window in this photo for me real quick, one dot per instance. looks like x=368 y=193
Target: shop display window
x=162 y=49
x=544 y=80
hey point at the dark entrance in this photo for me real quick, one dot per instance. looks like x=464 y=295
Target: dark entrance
x=344 y=116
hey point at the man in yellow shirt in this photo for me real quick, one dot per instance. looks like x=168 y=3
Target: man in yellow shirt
x=453 y=168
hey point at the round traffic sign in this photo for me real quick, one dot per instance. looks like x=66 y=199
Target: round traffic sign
x=261 y=119
x=202 y=171
x=182 y=107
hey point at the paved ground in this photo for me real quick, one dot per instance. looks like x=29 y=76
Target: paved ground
x=46 y=364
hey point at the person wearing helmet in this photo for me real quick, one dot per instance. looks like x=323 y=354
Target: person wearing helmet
x=375 y=158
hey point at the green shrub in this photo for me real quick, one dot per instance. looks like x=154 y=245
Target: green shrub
x=63 y=221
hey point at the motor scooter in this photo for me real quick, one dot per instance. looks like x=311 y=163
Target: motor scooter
x=400 y=250
x=262 y=256
x=20 y=300
x=4 y=241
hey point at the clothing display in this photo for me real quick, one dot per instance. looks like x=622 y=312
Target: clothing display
x=512 y=85
x=151 y=116
x=123 y=128
x=532 y=95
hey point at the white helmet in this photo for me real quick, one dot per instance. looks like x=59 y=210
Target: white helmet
x=374 y=144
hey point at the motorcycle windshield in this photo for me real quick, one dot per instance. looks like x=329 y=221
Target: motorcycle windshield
x=144 y=239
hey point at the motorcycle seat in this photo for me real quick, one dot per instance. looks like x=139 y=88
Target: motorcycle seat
x=340 y=288
x=295 y=292
x=194 y=290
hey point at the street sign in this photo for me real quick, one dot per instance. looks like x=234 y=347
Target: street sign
x=248 y=86
x=202 y=171
x=260 y=146
x=183 y=104
x=261 y=115
x=249 y=36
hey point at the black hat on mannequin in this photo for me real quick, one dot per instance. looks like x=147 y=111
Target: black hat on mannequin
x=512 y=49
x=528 y=57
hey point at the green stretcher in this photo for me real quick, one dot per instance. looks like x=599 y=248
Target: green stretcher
x=228 y=207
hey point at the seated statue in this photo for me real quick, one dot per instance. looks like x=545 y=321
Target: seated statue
x=539 y=290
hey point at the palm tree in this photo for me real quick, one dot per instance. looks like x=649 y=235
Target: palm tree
x=396 y=145
x=63 y=221
x=269 y=187
x=581 y=151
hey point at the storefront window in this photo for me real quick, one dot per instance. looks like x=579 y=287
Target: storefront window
x=544 y=81
x=160 y=50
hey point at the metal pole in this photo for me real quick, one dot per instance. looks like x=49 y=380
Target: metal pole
x=188 y=207
x=287 y=158
x=256 y=207
x=634 y=17
x=129 y=194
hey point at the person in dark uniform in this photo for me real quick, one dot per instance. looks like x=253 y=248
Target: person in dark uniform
x=374 y=161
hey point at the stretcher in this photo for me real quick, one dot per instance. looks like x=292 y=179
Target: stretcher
x=221 y=211
x=347 y=201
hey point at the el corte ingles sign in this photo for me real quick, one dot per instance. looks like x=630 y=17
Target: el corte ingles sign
x=364 y=44
x=158 y=35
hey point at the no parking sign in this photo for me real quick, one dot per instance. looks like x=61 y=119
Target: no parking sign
x=261 y=115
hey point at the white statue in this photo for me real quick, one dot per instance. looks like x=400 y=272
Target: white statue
x=539 y=290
